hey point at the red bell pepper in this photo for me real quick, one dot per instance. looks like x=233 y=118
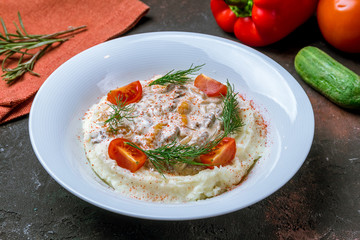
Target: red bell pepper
x=261 y=22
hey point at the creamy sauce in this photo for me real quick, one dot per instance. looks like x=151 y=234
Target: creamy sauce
x=164 y=114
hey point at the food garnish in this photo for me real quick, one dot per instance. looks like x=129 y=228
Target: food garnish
x=120 y=112
x=179 y=77
x=230 y=115
x=210 y=86
x=21 y=44
x=131 y=93
x=173 y=153
x=222 y=154
x=125 y=155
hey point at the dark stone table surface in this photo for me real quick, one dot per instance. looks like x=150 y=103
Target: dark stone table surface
x=322 y=201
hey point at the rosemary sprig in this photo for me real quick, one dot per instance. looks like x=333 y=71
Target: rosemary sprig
x=120 y=112
x=230 y=115
x=179 y=77
x=21 y=43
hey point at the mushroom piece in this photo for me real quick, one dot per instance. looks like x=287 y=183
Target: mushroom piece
x=199 y=139
x=169 y=107
x=169 y=88
x=179 y=92
x=209 y=120
x=168 y=135
x=97 y=137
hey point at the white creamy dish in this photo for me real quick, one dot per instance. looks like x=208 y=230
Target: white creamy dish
x=173 y=114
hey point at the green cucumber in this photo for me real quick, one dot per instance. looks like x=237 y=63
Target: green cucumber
x=329 y=77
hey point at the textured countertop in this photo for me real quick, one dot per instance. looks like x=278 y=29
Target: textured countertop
x=322 y=201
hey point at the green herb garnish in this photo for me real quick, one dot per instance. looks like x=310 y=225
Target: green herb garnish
x=230 y=115
x=121 y=111
x=21 y=44
x=174 y=153
x=179 y=77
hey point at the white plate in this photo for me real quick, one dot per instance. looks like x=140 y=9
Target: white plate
x=55 y=117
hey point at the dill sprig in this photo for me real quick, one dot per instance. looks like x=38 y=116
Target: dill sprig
x=230 y=115
x=121 y=111
x=174 y=153
x=179 y=77
x=21 y=43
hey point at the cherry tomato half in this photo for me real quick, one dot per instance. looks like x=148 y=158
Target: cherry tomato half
x=130 y=93
x=339 y=23
x=222 y=154
x=125 y=155
x=210 y=86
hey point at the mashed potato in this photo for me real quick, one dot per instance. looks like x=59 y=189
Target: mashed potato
x=164 y=114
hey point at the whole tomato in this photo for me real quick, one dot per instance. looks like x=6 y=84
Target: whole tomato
x=339 y=22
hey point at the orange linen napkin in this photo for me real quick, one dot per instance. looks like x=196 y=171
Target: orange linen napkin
x=104 y=20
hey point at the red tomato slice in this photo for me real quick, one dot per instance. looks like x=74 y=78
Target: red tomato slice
x=210 y=86
x=130 y=93
x=222 y=154
x=125 y=155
